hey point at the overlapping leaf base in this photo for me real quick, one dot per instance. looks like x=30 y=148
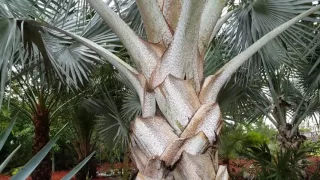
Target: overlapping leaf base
x=175 y=136
x=160 y=152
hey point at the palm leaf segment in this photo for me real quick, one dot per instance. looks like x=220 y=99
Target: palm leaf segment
x=250 y=21
x=26 y=45
x=253 y=19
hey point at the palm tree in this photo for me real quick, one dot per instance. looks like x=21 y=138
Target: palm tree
x=255 y=90
x=39 y=103
x=180 y=116
x=284 y=96
x=180 y=120
x=287 y=103
x=85 y=138
x=116 y=104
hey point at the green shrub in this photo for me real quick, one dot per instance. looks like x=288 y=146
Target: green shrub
x=14 y=171
x=289 y=164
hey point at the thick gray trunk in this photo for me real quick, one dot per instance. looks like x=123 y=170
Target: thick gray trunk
x=160 y=152
x=174 y=144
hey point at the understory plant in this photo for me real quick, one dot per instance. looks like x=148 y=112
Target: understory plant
x=284 y=164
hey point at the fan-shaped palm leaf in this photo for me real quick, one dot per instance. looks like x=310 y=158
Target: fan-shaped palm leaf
x=110 y=125
x=253 y=19
x=22 y=41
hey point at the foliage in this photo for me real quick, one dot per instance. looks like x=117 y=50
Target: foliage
x=14 y=171
x=20 y=134
x=84 y=138
x=313 y=145
x=26 y=170
x=236 y=137
x=110 y=154
x=252 y=19
x=280 y=164
x=65 y=156
x=116 y=104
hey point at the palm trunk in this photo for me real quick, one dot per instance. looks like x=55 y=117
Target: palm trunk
x=53 y=162
x=159 y=153
x=90 y=169
x=125 y=175
x=41 y=138
x=176 y=136
x=93 y=168
x=289 y=140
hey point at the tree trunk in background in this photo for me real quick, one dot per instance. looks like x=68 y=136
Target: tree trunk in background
x=125 y=175
x=53 y=161
x=93 y=168
x=90 y=169
x=41 y=138
x=288 y=140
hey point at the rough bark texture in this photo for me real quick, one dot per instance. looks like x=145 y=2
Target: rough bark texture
x=287 y=140
x=41 y=138
x=180 y=116
x=178 y=142
x=160 y=153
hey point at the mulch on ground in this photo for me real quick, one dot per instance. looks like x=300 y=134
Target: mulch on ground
x=236 y=167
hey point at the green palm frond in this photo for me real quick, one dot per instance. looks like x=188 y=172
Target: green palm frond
x=131 y=106
x=110 y=125
x=276 y=94
x=29 y=48
x=280 y=164
x=133 y=17
x=235 y=101
x=253 y=19
x=83 y=122
x=215 y=57
x=308 y=69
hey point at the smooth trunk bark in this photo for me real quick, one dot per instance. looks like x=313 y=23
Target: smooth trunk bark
x=41 y=138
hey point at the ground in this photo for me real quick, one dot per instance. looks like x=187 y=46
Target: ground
x=236 y=167
x=60 y=174
x=55 y=176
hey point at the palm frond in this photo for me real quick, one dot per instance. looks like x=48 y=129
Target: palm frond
x=253 y=19
x=131 y=105
x=235 y=101
x=25 y=44
x=110 y=125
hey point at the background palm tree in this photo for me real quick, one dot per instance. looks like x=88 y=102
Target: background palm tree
x=85 y=139
x=286 y=104
x=287 y=59
x=39 y=100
